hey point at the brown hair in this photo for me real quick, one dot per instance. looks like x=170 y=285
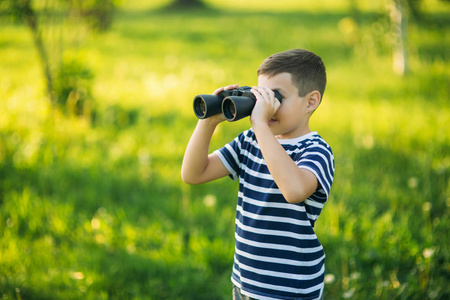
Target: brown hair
x=306 y=68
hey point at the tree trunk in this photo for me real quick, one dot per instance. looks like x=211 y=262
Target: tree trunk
x=187 y=3
x=32 y=22
x=399 y=30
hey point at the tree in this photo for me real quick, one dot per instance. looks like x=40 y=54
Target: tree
x=399 y=30
x=23 y=9
x=401 y=12
x=187 y=4
x=63 y=74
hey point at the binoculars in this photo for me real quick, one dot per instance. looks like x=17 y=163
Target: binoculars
x=235 y=104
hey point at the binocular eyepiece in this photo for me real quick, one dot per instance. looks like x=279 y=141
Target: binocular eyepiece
x=235 y=104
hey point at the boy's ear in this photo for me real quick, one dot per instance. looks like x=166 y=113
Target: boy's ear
x=314 y=98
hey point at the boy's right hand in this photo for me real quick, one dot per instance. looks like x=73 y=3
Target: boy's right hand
x=198 y=166
x=216 y=119
x=228 y=87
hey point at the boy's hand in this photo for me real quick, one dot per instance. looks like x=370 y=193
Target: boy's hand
x=228 y=87
x=199 y=166
x=266 y=105
x=216 y=119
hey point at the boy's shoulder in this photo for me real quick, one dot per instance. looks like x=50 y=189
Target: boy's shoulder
x=309 y=139
x=308 y=142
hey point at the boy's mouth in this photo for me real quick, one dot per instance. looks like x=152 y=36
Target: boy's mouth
x=271 y=121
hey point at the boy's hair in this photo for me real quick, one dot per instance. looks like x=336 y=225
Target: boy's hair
x=306 y=68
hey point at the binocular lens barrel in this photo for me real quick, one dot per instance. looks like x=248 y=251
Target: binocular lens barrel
x=234 y=104
x=235 y=107
x=206 y=106
x=199 y=107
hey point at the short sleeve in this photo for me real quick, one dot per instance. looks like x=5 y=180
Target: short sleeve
x=318 y=158
x=229 y=156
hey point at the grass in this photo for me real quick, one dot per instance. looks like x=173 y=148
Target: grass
x=97 y=210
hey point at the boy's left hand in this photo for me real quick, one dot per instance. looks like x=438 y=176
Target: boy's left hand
x=266 y=104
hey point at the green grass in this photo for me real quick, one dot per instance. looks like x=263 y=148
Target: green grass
x=97 y=210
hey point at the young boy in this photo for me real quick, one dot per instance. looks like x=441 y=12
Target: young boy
x=285 y=173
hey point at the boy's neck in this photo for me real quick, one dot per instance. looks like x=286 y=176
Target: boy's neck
x=293 y=135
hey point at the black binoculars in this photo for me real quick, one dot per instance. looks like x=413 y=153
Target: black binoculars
x=235 y=104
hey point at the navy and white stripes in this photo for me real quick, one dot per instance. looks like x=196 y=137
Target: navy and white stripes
x=277 y=253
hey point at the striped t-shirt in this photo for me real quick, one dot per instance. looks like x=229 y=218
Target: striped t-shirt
x=277 y=253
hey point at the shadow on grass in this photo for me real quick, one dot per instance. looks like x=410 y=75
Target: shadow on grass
x=103 y=273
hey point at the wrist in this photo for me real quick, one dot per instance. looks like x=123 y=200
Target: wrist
x=261 y=128
x=209 y=123
x=258 y=122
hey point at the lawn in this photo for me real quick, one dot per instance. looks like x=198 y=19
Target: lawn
x=94 y=208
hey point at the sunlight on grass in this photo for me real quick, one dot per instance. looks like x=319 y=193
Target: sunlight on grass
x=93 y=207
x=315 y=6
x=280 y=6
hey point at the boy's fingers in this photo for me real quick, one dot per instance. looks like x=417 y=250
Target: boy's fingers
x=228 y=87
x=218 y=91
x=264 y=92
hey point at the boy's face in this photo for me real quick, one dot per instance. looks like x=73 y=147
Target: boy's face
x=292 y=117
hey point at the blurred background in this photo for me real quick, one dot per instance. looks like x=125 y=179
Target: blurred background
x=96 y=111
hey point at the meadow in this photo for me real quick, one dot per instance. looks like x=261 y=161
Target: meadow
x=94 y=208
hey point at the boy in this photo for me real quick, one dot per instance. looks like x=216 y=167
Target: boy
x=285 y=173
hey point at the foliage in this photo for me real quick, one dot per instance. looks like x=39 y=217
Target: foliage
x=99 y=13
x=183 y=4
x=95 y=208
x=67 y=80
x=73 y=84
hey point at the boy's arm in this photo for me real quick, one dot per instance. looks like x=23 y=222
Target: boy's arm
x=295 y=184
x=199 y=166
